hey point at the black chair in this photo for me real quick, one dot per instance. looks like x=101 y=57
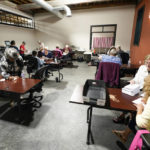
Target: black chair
x=125 y=57
x=36 y=100
x=145 y=138
x=32 y=65
x=55 y=67
x=67 y=59
x=40 y=73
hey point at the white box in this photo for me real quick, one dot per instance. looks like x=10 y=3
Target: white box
x=131 y=89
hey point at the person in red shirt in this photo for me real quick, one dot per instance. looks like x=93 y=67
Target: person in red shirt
x=22 y=49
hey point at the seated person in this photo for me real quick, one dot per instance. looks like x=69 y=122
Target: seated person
x=11 y=64
x=142 y=118
x=40 y=61
x=119 y=50
x=122 y=55
x=13 y=45
x=59 y=52
x=47 y=54
x=143 y=71
x=111 y=57
x=112 y=47
x=66 y=50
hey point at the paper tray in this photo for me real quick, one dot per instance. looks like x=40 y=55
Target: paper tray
x=94 y=92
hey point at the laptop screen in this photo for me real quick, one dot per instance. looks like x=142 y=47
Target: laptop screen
x=7 y=43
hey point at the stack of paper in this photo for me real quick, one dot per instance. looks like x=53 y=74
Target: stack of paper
x=131 y=89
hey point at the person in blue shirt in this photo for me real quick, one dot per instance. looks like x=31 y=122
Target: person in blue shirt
x=112 y=57
x=40 y=61
x=47 y=54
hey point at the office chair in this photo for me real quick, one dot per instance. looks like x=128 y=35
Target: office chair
x=67 y=59
x=56 y=67
x=57 y=54
x=125 y=57
x=110 y=73
x=32 y=65
x=145 y=138
x=35 y=100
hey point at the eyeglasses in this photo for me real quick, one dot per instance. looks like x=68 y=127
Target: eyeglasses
x=148 y=63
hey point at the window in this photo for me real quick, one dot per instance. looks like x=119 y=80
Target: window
x=15 y=20
x=102 y=36
x=138 y=28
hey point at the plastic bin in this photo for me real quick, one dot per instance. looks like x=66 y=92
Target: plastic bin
x=95 y=92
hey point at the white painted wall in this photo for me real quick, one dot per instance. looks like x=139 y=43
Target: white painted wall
x=76 y=29
x=18 y=34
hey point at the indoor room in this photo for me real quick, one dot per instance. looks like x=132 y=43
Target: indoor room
x=74 y=74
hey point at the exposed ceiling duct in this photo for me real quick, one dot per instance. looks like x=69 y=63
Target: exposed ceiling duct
x=65 y=8
x=54 y=10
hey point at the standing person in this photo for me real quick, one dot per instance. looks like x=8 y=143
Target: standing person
x=13 y=45
x=41 y=46
x=11 y=64
x=22 y=49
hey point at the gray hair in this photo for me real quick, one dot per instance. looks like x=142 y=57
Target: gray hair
x=113 y=52
x=11 y=53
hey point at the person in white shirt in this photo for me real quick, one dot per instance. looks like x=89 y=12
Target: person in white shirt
x=142 y=118
x=143 y=71
x=41 y=45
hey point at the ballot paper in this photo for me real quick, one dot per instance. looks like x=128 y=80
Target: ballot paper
x=138 y=101
x=131 y=89
x=1 y=80
x=142 y=95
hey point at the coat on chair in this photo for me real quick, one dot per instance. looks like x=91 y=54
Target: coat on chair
x=110 y=73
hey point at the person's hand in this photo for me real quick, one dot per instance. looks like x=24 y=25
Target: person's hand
x=140 y=108
x=13 y=78
x=113 y=98
x=132 y=82
x=100 y=57
x=143 y=101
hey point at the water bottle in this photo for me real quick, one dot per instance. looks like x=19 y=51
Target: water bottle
x=23 y=75
x=129 y=62
x=55 y=60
